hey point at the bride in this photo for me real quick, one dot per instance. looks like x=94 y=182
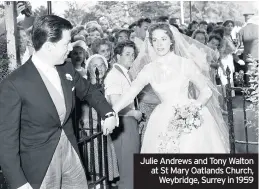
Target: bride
x=169 y=74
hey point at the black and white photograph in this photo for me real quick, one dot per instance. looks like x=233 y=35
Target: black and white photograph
x=87 y=86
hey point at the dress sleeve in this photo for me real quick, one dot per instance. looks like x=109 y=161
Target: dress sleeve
x=142 y=79
x=194 y=74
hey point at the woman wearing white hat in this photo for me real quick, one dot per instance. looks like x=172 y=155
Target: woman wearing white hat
x=78 y=56
x=99 y=62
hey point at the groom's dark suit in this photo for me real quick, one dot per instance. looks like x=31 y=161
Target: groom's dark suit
x=30 y=127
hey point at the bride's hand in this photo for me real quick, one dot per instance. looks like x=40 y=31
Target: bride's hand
x=196 y=103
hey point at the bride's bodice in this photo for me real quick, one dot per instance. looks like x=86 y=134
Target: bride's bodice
x=169 y=82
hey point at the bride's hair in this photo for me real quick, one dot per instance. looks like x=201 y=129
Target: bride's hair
x=166 y=28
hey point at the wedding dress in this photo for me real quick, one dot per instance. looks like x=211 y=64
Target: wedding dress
x=169 y=77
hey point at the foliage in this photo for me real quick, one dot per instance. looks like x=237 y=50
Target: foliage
x=4 y=71
x=253 y=93
x=1 y=10
x=89 y=17
x=120 y=12
x=41 y=11
x=74 y=13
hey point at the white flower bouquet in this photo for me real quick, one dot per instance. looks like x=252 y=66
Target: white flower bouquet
x=186 y=118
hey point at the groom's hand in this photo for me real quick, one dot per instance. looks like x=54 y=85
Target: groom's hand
x=109 y=124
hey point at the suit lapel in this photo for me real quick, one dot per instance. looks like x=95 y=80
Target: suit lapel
x=41 y=91
x=67 y=91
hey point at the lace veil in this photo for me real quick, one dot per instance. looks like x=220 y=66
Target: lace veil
x=202 y=56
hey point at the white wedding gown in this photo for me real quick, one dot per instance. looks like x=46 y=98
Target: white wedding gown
x=169 y=77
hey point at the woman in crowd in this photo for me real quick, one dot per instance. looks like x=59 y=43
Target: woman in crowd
x=78 y=56
x=104 y=48
x=104 y=23
x=99 y=62
x=94 y=32
x=79 y=33
x=191 y=28
x=228 y=54
x=214 y=43
x=200 y=35
x=210 y=27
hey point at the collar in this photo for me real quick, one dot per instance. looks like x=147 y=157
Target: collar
x=41 y=65
x=125 y=71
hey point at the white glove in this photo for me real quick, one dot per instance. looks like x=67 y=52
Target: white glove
x=25 y=186
x=241 y=62
x=109 y=124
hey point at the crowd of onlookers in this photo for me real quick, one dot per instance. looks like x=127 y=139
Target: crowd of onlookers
x=97 y=37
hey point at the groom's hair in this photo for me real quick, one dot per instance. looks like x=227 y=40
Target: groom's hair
x=48 y=28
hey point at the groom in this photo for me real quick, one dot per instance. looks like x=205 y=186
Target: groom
x=38 y=148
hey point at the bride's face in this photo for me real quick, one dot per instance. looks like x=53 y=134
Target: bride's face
x=161 y=42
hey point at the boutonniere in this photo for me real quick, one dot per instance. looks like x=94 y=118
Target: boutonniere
x=69 y=77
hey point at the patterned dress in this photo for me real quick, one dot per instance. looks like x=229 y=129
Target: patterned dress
x=112 y=159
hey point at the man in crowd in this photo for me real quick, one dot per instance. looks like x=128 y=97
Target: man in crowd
x=122 y=35
x=141 y=30
x=126 y=137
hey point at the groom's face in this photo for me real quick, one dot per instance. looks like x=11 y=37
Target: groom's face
x=61 y=49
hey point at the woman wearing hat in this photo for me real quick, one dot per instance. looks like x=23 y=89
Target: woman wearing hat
x=99 y=62
x=78 y=57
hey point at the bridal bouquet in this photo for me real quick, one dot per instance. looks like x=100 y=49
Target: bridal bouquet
x=186 y=118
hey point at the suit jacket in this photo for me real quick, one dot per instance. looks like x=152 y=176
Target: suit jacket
x=30 y=127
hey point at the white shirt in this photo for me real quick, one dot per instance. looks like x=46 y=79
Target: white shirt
x=116 y=84
x=139 y=43
x=124 y=70
x=50 y=72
